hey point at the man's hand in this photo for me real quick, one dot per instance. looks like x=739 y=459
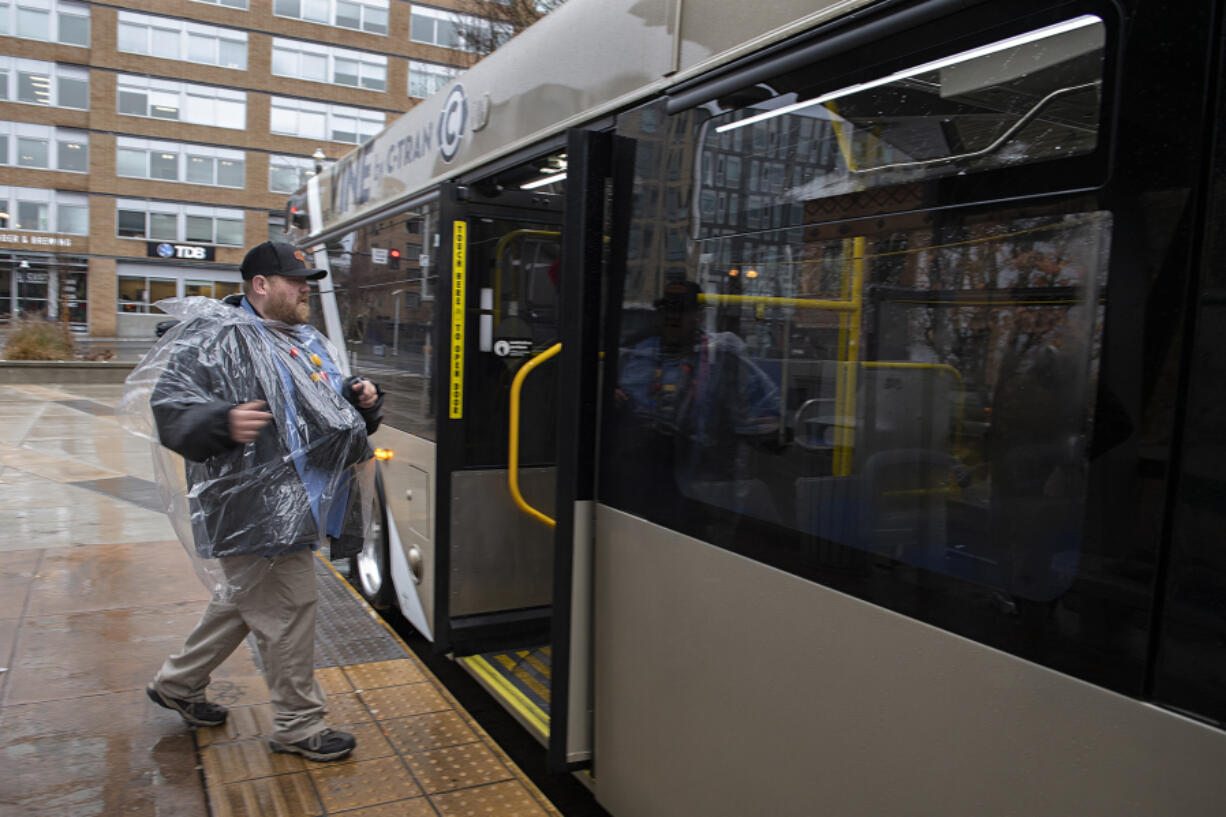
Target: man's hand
x=247 y=420
x=367 y=396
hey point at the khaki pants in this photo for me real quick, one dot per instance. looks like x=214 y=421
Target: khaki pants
x=280 y=609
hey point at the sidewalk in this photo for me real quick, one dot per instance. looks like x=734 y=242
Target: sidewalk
x=95 y=592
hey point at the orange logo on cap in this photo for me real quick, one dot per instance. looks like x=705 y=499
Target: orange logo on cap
x=298 y=254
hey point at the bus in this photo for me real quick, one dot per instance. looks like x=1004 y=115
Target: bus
x=811 y=407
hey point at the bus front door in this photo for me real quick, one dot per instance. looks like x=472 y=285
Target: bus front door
x=493 y=597
x=515 y=504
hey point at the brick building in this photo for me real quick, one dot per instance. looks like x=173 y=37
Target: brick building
x=145 y=144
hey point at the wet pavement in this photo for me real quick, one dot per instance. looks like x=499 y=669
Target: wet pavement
x=95 y=591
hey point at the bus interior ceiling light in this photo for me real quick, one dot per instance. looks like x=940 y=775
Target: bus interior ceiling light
x=965 y=56
x=532 y=185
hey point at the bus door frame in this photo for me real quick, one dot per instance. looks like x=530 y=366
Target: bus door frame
x=457 y=203
x=591 y=278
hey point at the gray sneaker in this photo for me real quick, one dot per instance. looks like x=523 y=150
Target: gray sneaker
x=195 y=713
x=324 y=745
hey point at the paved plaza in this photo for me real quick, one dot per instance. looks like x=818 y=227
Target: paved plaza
x=95 y=591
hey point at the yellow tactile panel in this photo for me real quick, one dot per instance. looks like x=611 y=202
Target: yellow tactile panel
x=457 y=767
x=345 y=708
x=417 y=755
x=402 y=701
x=354 y=785
x=333 y=680
x=384 y=674
x=417 y=807
x=433 y=730
x=372 y=743
x=509 y=799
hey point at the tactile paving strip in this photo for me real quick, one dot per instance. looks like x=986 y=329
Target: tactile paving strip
x=346 y=631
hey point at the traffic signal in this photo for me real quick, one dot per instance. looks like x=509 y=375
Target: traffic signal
x=393 y=259
x=296 y=213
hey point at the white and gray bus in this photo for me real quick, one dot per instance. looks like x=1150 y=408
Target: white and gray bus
x=804 y=408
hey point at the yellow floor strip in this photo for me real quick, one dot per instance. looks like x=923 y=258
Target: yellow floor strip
x=523 y=675
x=530 y=712
x=538 y=665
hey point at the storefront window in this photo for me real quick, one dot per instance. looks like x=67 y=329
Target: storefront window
x=131 y=294
x=202 y=288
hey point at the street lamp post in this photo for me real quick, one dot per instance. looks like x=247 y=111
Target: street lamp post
x=396 y=322
x=22 y=269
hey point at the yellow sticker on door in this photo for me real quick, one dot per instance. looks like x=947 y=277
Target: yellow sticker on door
x=459 y=265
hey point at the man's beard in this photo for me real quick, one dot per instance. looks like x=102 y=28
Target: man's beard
x=290 y=311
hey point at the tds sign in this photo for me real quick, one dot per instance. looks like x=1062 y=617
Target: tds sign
x=189 y=252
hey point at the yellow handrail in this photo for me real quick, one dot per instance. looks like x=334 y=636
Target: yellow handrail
x=513 y=442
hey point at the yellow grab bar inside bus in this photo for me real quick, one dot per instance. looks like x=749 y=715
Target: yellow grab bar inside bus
x=513 y=443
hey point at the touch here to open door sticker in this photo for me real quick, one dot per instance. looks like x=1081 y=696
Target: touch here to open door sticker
x=459 y=262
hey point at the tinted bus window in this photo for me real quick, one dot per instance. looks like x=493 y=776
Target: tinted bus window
x=385 y=283
x=823 y=365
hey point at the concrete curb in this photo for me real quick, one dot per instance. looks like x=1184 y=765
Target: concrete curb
x=64 y=371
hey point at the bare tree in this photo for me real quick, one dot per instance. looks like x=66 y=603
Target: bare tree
x=486 y=24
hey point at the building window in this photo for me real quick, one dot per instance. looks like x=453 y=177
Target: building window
x=72 y=151
x=44 y=147
x=72 y=218
x=182 y=102
x=317 y=120
x=426 y=77
x=165 y=221
x=360 y=15
x=32 y=152
x=44 y=83
x=446 y=28
x=32 y=215
x=139 y=294
x=321 y=63
x=288 y=173
x=47 y=20
x=234 y=4
x=182 y=40
x=177 y=162
x=44 y=211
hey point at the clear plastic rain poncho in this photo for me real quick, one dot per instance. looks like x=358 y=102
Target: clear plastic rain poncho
x=309 y=473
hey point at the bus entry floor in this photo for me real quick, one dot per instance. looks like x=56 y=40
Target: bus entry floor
x=522 y=678
x=95 y=592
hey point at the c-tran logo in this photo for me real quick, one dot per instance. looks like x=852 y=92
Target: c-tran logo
x=451 y=122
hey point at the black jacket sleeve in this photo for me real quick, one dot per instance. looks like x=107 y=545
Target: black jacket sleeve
x=191 y=420
x=195 y=430
x=373 y=415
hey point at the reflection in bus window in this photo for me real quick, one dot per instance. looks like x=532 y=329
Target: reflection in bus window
x=1016 y=101
x=385 y=282
x=917 y=388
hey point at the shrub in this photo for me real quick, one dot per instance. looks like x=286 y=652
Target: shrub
x=36 y=338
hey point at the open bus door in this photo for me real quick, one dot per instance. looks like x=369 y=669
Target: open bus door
x=523 y=273
x=495 y=570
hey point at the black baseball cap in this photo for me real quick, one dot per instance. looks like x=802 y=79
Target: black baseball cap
x=680 y=296
x=278 y=258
